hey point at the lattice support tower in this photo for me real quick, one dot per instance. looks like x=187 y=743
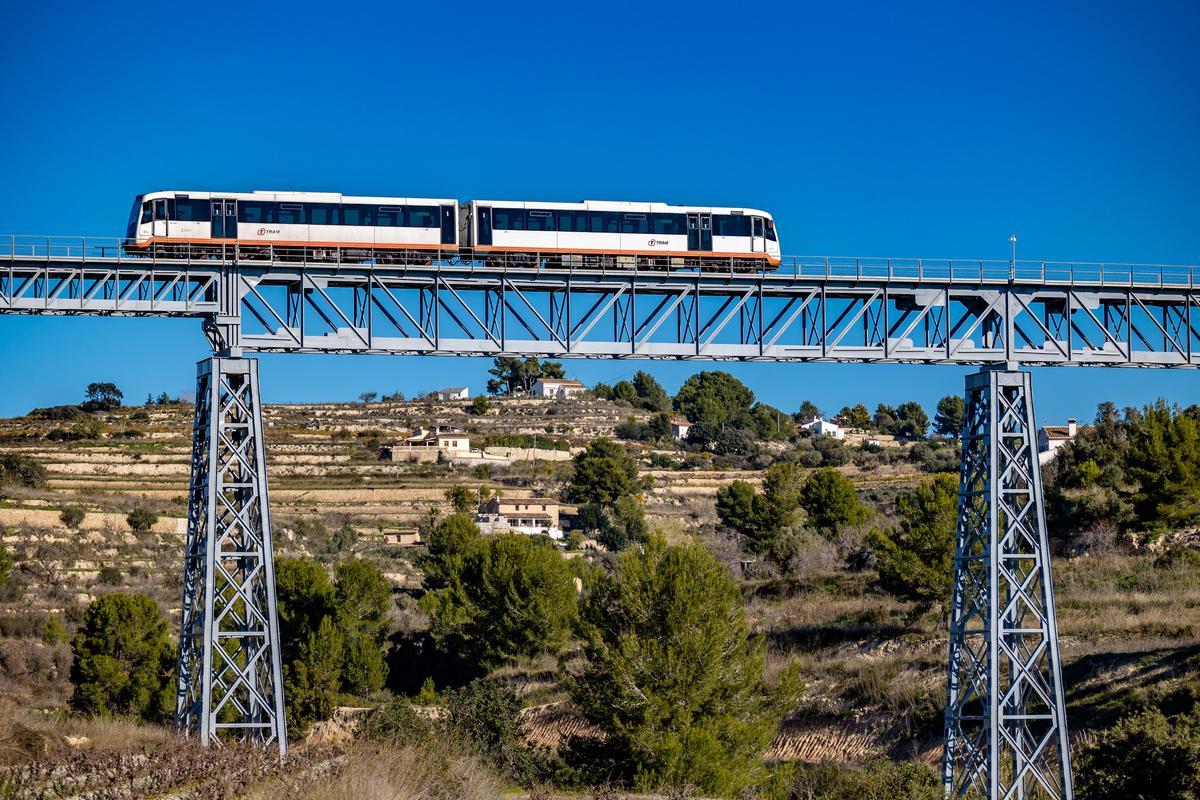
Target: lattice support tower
x=1006 y=724
x=230 y=682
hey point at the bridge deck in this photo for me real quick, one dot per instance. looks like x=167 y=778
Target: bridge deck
x=259 y=299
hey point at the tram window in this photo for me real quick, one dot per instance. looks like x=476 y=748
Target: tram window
x=731 y=225
x=758 y=226
x=540 y=221
x=508 y=219
x=147 y=212
x=323 y=213
x=635 y=223
x=668 y=224
x=573 y=221
x=160 y=210
x=256 y=212
x=605 y=221
x=771 y=230
x=291 y=214
x=192 y=210
x=358 y=215
x=390 y=217
x=422 y=217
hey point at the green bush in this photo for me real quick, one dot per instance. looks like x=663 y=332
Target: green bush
x=483 y=716
x=111 y=576
x=877 y=780
x=332 y=635
x=673 y=676
x=21 y=470
x=57 y=413
x=124 y=660
x=397 y=723
x=829 y=499
x=72 y=516
x=141 y=520
x=916 y=561
x=496 y=598
x=1143 y=757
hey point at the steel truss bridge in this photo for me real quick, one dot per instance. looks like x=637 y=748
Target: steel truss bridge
x=1005 y=722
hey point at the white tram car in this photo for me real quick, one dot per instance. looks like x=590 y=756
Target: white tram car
x=420 y=230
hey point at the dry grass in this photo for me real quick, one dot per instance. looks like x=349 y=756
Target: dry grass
x=28 y=734
x=380 y=773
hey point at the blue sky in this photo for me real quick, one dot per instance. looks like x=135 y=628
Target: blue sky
x=867 y=129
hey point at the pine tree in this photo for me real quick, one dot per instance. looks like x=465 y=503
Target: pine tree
x=673 y=675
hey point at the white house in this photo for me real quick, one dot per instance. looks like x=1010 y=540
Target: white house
x=427 y=445
x=558 y=387
x=453 y=393
x=823 y=427
x=679 y=429
x=534 y=516
x=1052 y=437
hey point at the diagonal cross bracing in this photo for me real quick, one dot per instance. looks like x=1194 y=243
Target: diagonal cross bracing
x=230 y=682
x=1005 y=724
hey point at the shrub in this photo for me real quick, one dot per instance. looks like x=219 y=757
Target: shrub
x=54 y=630
x=87 y=428
x=124 y=660
x=56 y=413
x=496 y=598
x=397 y=723
x=72 y=517
x=21 y=470
x=876 y=780
x=1143 y=757
x=483 y=716
x=462 y=499
x=362 y=598
x=916 y=562
x=831 y=502
x=6 y=563
x=479 y=406
x=141 y=519
x=111 y=576
x=603 y=473
x=673 y=675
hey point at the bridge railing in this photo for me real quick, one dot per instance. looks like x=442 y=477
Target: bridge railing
x=107 y=251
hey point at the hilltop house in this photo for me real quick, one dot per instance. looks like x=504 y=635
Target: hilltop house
x=535 y=516
x=452 y=393
x=823 y=427
x=1052 y=437
x=557 y=387
x=679 y=429
x=428 y=444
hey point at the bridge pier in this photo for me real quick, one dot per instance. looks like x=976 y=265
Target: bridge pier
x=230 y=681
x=1006 y=724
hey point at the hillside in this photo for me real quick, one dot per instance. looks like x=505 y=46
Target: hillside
x=873 y=671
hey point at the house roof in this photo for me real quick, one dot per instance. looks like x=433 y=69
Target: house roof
x=549 y=501
x=683 y=423
x=1057 y=431
x=452 y=390
x=561 y=381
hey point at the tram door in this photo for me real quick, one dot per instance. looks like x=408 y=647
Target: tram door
x=483 y=228
x=758 y=238
x=224 y=219
x=449 y=225
x=700 y=232
x=159 y=226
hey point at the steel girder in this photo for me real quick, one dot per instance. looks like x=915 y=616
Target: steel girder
x=467 y=309
x=230 y=681
x=1005 y=725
